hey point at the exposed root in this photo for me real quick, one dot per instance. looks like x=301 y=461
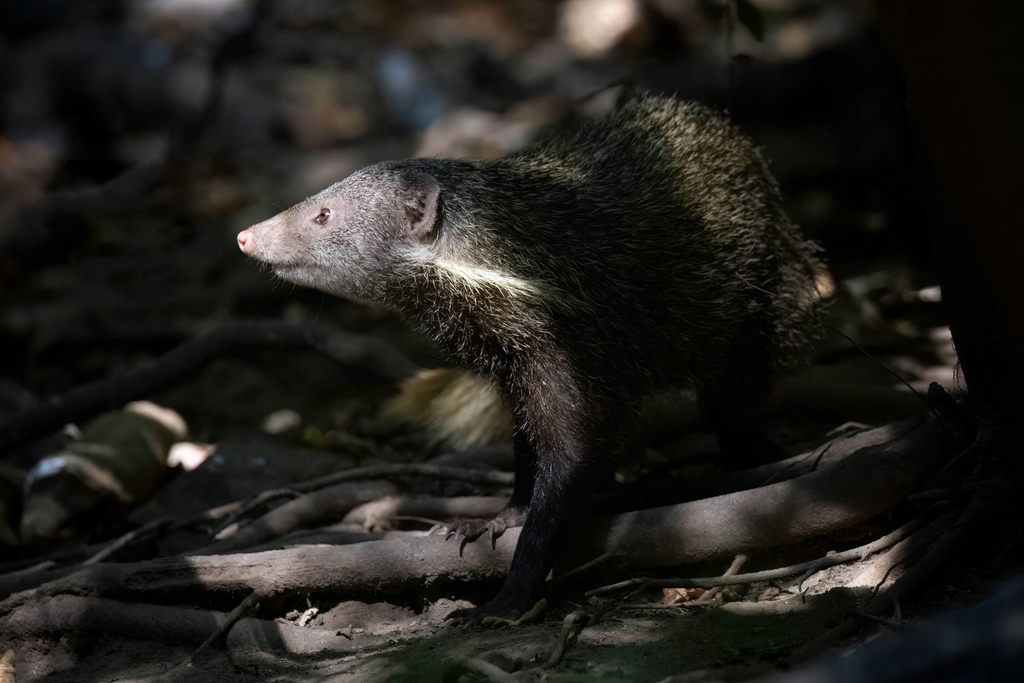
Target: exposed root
x=380 y=514
x=319 y=507
x=471 y=476
x=247 y=607
x=851 y=555
x=891 y=623
x=572 y=625
x=709 y=595
x=832 y=452
x=134 y=536
x=940 y=549
x=849 y=492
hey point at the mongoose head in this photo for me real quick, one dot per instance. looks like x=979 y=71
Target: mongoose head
x=354 y=237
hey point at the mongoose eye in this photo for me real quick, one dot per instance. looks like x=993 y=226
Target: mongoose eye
x=324 y=216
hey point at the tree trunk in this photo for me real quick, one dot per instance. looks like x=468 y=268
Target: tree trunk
x=964 y=69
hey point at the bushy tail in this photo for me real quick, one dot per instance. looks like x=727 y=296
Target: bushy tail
x=457 y=407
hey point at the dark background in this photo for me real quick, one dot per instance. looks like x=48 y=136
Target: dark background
x=137 y=138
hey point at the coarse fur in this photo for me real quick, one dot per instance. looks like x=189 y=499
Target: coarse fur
x=648 y=249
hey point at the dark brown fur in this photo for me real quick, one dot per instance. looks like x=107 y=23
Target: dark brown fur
x=646 y=250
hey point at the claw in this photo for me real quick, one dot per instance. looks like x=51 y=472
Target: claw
x=488 y=616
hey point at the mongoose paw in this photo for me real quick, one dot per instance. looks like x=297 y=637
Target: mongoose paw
x=469 y=530
x=496 y=615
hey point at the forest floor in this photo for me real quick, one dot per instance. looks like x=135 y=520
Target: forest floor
x=131 y=156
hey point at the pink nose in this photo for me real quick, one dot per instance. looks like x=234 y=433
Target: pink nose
x=245 y=242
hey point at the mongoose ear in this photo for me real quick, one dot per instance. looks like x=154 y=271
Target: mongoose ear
x=421 y=205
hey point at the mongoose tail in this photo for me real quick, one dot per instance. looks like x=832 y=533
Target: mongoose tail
x=456 y=407
x=646 y=250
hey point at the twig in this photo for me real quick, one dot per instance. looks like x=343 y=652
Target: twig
x=825 y=562
x=877 y=620
x=408 y=470
x=819 y=452
x=485 y=669
x=249 y=605
x=1002 y=560
x=90 y=399
x=429 y=509
x=127 y=539
x=561 y=579
x=32 y=569
x=941 y=548
x=847 y=493
x=572 y=625
x=322 y=506
x=253 y=503
x=710 y=594
x=329 y=498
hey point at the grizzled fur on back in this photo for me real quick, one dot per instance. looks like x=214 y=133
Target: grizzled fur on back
x=650 y=243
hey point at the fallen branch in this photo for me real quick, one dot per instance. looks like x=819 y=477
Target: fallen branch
x=842 y=495
x=851 y=555
x=328 y=499
x=489 y=671
x=248 y=606
x=572 y=625
x=380 y=513
x=942 y=541
x=470 y=476
x=70 y=614
x=673 y=492
x=357 y=569
x=709 y=595
x=319 y=507
x=867 y=483
x=257 y=501
x=113 y=392
x=128 y=539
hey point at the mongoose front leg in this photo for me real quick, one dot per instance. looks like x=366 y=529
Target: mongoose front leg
x=514 y=513
x=554 y=418
x=551 y=513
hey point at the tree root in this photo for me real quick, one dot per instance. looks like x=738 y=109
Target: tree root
x=358 y=569
x=852 y=555
x=380 y=514
x=471 y=476
x=836 y=497
x=867 y=483
x=708 y=596
x=248 y=606
x=64 y=614
x=113 y=392
x=328 y=499
x=954 y=540
x=667 y=493
x=320 y=507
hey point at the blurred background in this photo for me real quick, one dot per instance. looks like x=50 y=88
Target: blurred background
x=138 y=137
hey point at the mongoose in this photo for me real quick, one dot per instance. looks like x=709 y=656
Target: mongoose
x=645 y=250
